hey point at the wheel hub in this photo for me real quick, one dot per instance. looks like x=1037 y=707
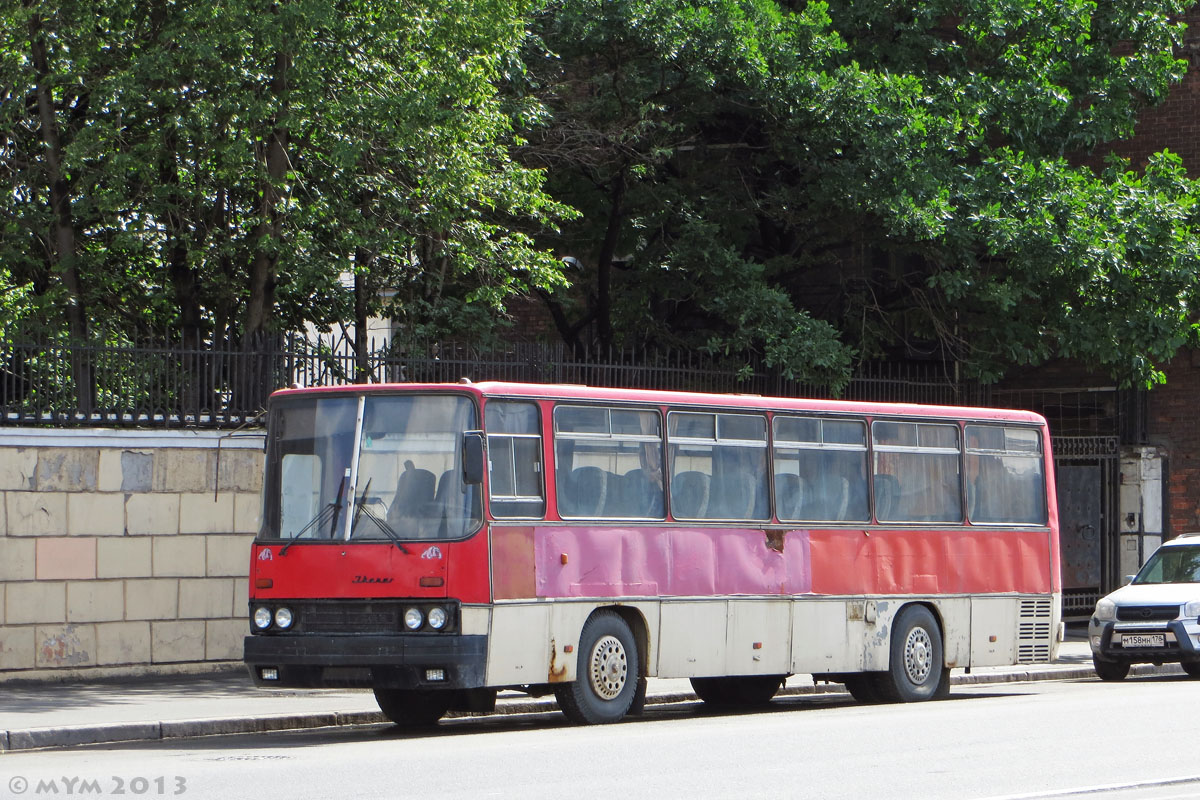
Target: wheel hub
x=918 y=649
x=608 y=667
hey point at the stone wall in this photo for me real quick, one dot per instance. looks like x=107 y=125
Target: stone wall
x=124 y=552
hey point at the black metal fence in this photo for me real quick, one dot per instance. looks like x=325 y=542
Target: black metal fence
x=169 y=386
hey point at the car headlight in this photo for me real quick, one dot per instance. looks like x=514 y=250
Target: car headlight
x=1192 y=609
x=437 y=618
x=262 y=618
x=283 y=618
x=1106 y=610
x=413 y=619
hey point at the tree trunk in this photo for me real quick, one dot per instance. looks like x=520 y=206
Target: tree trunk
x=62 y=227
x=265 y=241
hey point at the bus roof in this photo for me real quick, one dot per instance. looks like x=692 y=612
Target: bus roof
x=577 y=392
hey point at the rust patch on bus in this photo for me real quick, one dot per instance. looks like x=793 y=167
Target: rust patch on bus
x=556 y=674
x=775 y=540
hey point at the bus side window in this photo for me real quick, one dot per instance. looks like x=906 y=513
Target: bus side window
x=1004 y=471
x=923 y=459
x=515 y=460
x=608 y=462
x=718 y=465
x=826 y=459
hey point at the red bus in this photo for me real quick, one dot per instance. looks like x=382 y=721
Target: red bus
x=439 y=542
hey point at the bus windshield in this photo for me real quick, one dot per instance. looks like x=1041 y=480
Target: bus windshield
x=407 y=482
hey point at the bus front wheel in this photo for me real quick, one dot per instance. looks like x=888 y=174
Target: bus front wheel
x=412 y=709
x=916 y=671
x=607 y=675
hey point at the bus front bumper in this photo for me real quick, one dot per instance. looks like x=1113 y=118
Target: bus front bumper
x=369 y=661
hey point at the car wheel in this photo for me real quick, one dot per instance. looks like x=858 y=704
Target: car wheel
x=1110 y=670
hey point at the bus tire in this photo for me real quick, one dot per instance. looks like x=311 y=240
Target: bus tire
x=862 y=687
x=412 y=710
x=916 y=670
x=738 y=691
x=607 y=675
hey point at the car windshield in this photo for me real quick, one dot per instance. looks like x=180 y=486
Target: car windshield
x=407 y=484
x=1171 y=565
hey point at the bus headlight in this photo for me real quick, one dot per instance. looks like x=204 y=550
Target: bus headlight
x=1106 y=610
x=437 y=618
x=262 y=618
x=283 y=618
x=413 y=619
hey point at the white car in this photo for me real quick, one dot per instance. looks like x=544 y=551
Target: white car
x=1155 y=618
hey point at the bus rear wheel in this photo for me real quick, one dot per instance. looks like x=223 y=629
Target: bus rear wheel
x=916 y=671
x=738 y=691
x=412 y=710
x=607 y=675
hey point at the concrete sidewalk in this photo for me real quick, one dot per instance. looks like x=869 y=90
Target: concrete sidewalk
x=60 y=715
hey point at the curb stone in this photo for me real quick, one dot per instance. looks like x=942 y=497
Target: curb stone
x=109 y=733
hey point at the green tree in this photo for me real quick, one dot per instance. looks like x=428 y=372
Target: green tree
x=817 y=182
x=212 y=169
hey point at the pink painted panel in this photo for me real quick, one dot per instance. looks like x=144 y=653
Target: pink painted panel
x=669 y=562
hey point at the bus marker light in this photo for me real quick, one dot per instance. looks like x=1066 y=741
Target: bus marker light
x=570 y=648
x=562 y=557
x=432 y=580
x=435 y=674
x=758 y=645
x=263 y=583
x=992 y=638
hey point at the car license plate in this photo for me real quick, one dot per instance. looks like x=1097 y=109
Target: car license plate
x=1143 y=640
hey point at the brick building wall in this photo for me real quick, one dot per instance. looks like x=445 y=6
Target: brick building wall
x=1174 y=426
x=1174 y=124
x=1173 y=423
x=124 y=552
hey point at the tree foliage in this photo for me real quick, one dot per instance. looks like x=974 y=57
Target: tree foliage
x=809 y=182
x=213 y=168
x=822 y=182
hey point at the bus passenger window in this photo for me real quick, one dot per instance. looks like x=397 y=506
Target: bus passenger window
x=916 y=472
x=1005 y=480
x=718 y=465
x=608 y=462
x=515 y=460
x=820 y=469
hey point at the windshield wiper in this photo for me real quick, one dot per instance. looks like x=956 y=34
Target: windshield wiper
x=380 y=523
x=334 y=508
x=316 y=522
x=359 y=505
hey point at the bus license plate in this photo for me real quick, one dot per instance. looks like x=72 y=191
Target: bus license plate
x=1144 y=640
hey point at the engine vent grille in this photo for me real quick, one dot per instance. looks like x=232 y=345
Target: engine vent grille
x=1034 y=634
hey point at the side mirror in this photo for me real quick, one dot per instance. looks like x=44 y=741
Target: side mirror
x=472 y=457
x=1129 y=579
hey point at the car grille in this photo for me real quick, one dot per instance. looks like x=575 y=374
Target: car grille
x=1147 y=613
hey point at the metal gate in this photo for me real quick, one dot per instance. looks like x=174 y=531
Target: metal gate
x=1087 y=472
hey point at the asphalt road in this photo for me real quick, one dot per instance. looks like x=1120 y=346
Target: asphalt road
x=1054 y=739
